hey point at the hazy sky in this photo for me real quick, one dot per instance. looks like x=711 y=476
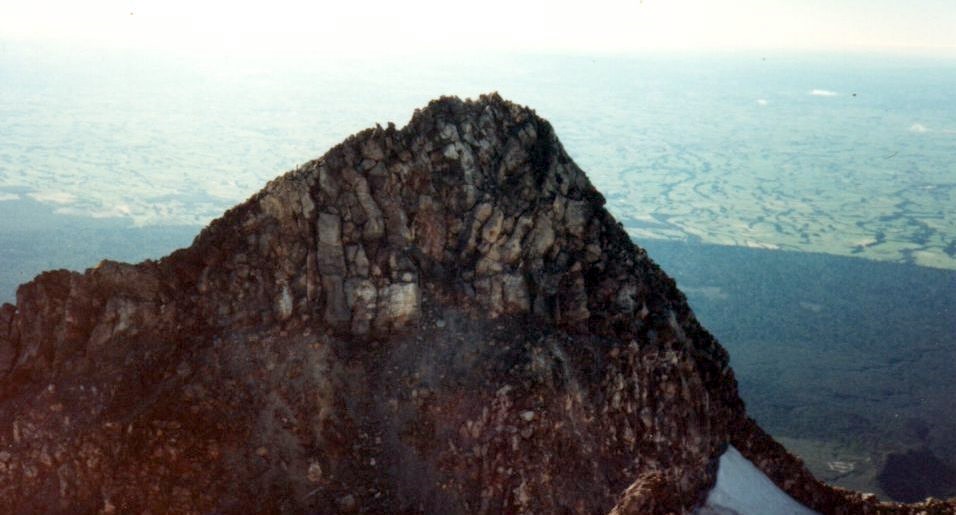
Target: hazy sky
x=376 y=26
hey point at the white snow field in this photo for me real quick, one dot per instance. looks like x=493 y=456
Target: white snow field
x=742 y=489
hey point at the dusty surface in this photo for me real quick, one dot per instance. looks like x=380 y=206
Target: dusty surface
x=442 y=318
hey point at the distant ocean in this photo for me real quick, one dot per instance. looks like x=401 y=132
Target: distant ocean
x=829 y=179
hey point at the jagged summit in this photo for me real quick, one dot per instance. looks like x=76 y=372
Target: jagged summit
x=476 y=193
x=441 y=319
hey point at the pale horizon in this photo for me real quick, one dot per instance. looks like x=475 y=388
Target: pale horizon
x=380 y=28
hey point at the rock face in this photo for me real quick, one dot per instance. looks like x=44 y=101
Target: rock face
x=437 y=319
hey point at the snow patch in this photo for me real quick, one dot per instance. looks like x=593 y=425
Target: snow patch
x=742 y=489
x=823 y=93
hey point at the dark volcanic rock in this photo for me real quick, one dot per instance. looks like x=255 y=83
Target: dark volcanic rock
x=440 y=319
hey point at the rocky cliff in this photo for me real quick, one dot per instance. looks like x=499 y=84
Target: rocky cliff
x=439 y=319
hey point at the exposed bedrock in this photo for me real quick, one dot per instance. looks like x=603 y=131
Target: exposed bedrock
x=439 y=319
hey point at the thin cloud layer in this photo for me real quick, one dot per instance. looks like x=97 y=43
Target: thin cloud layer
x=53 y=197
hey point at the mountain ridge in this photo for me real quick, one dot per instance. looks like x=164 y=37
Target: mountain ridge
x=438 y=318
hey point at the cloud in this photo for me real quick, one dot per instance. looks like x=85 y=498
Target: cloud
x=918 y=128
x=8 y=196
x=762 y=102
x=225 y=190
x=823 y=93
x=53 y=197
x=118 y=211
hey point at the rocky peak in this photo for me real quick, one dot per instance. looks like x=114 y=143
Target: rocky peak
x=477 y=198
x=441 y=318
